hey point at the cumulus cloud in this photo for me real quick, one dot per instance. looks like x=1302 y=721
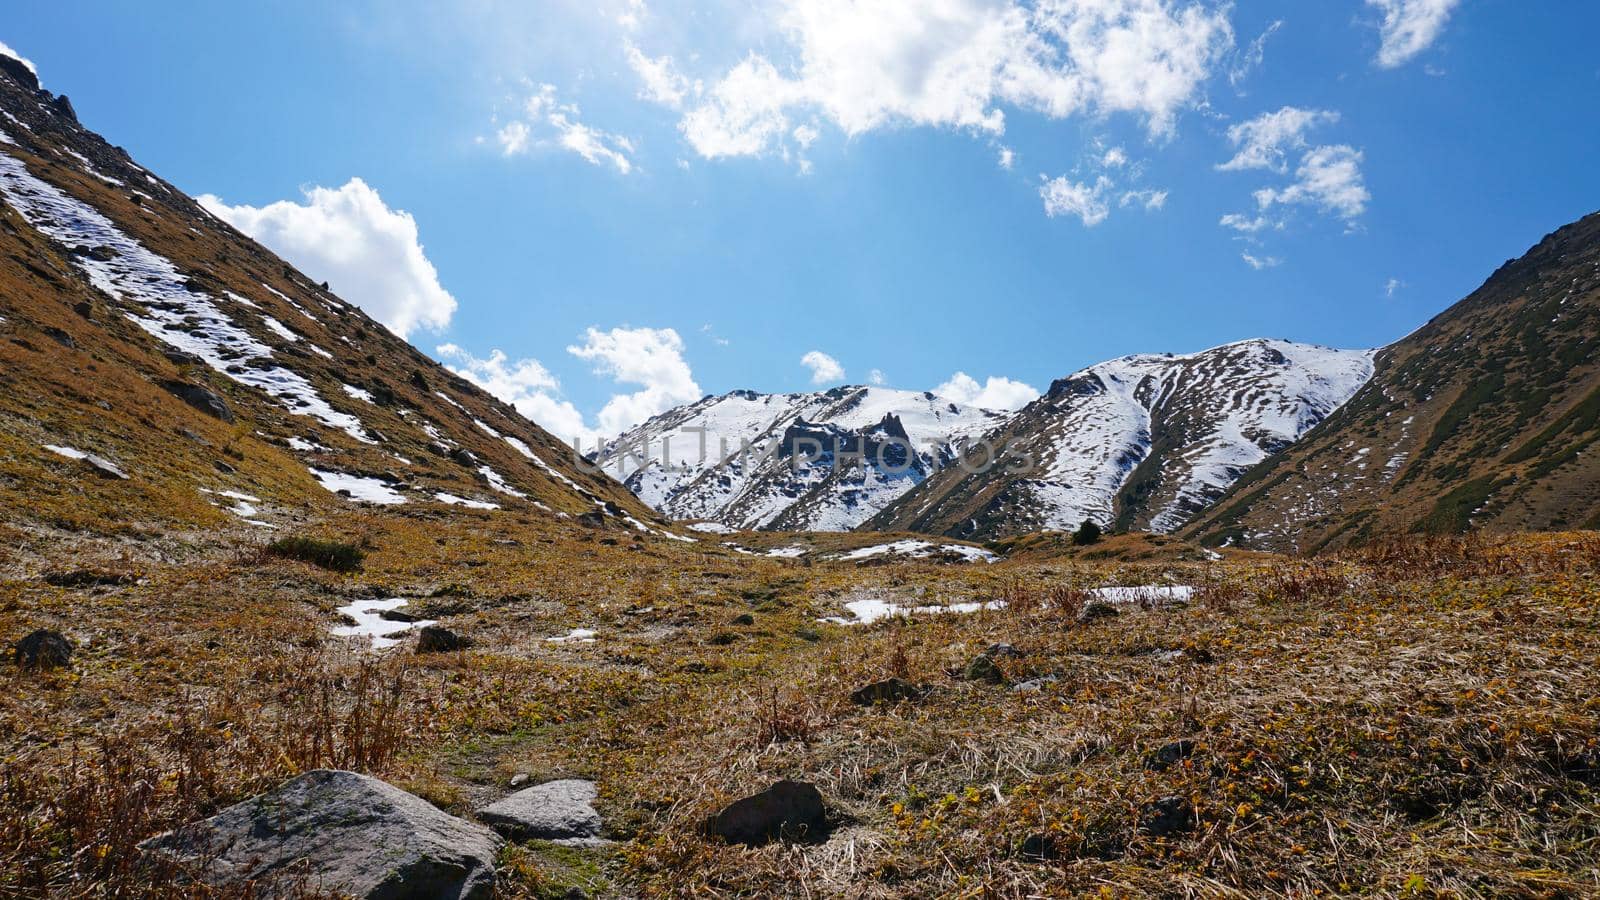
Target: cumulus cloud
x=824 y=368
x=1247 y=224
x=349 y=237
x=1409 y=27
x=869 y=64
x=1260 y=262
x=1149 y=199
x=1329 y=178
x=525 y=384
x=547 y=122
x=649 y=357
x=1063 y=197
x=1265 y=141
x=994 y=393
x=1008 y=158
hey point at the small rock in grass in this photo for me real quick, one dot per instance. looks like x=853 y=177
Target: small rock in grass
x=893 y=690
x=1002 y=651
x=520 y=779
x=984 y=668
x=436 y=639
x=1094 y=612
x=744 y=619
x=1039 y=848
x=789 y=810
x=1167 y=817
x=43 y=649
x=1034 y=685
x=559 y=811
x=1170 y=755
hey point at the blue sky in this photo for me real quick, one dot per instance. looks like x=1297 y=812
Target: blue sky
x=640 y=202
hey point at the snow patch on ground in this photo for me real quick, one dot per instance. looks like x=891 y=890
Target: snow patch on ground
x=712 y=528
x=360 y=488
x=1149 y=593
x=575 y=636
x=868 y=610
x=453 y=500
x=371 y=624
x=921 y=550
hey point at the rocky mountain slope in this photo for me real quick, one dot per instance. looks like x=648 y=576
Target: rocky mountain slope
x=1483 y=418
x=159 y=367
x=1144 y=442
x=823 y=461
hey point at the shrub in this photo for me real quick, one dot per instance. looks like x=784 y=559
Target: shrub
x=332 y=555
x=1087 y=533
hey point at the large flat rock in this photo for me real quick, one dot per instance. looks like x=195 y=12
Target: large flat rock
x=339 y=831
x=560 y=811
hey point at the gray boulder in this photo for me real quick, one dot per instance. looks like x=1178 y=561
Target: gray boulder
x=202 y=399
x=342 y=832
x=559 y=811
x=43 y=649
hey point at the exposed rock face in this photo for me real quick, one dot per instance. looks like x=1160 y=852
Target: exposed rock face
x=560 y=811
x=200 y=398
x=789 y=809
x=339 y=831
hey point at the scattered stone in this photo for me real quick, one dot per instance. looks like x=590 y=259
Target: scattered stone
x=1167 y=817
x=1094 y=612
x=43 y=649
x=1034 y=685
x=395 y=615
x=200 y=398
x=84 y=309
x=789 y=810
x=558 y=811
x=744 y=619
x=438 y=639
x=60 y=337
x=520 y=779
x=1199 y=655
x=1003 y=651
x=594 y=518
x=1039 y=848
x=349 y=833
x=465 y=457
x=984 y=668
x=1170 y=755
x=894 y=690
x=223 y=467
x=102 y=253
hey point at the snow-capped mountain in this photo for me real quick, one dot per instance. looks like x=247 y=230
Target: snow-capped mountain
x=824 y=461
x=1143 y=442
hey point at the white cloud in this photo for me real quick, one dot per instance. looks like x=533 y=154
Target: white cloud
x=549 y=122
x=1115 y=158
x=662 y=81
x=824 y=368
x=1409 y=27
x=369 y=253
x=1247 y=224
x=876 y=377
x=1392 y=287
x=994 y=393
x=869 y=64
x=1260 y=262
x=1149 y=199
x=1008 y=158
x=1068 y=198
x=26 y=62
x=525 y=384
x=1328 y=178
x=1251 y=58
x=632 y=12
x=649 y=357
x=1264 y=142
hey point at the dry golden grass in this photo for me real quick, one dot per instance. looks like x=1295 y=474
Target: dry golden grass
x=1415 y=719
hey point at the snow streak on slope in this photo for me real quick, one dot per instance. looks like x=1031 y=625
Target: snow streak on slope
x=721 y=458
x=159 y=300
x=1216 y=413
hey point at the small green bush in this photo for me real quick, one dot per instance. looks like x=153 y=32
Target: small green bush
x=333 y=555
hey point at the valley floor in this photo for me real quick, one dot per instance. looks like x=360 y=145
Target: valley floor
x=1417 y=719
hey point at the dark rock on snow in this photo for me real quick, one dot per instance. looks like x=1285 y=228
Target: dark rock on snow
x=338 y=831
x=789 y=809
x=43 y=649
x=560 y=811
